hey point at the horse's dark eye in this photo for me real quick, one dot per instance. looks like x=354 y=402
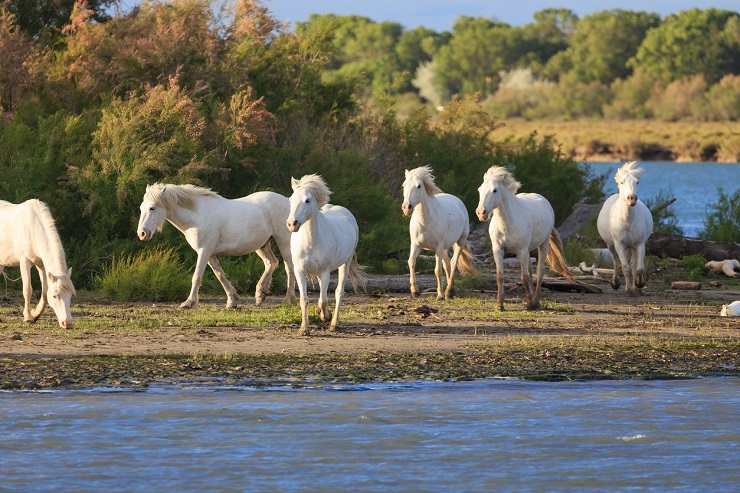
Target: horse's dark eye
x=308 y=200
x=494 y=190
x=151 y=209
x=418 y=186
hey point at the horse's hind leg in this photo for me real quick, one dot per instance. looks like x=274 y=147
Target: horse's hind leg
x=625 y=257
x=541 y=256
x=525 y=264
x=42 y=299
x=271 y=263
x=25 y=266
x=323 y=307
x=456 y=251
x=338 y=294
x=438 y=273
x=232 y=298
x=615 y=283
x=449 y=274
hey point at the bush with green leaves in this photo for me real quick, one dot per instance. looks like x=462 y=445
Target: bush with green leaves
x=155 y=274
x=694 y=265
x=722 y=222
x=665 y=220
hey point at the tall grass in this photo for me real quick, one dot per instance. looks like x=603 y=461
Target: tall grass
x=154 y=274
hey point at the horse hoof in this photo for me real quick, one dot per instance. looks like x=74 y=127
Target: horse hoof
x=414 y=294
x=303 y=331
x=614 y=285
x=449 y=295
x=187 y=305
x=501 y=307
x=232 y=306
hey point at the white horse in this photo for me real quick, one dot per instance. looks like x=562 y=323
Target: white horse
x=324 y=239
x=439 y=221
x=625 y=224
x=520 y=223
x=28 y=237
x=215 y=226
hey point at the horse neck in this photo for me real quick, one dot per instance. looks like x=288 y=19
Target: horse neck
x=505 y=213
x=625 y=213
x=315 y=228
x=428 y=209
x=48 y=247
x=182 y=218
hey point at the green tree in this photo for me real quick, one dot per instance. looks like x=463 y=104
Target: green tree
x=46 y=18
x=603 y=43
x=696 y=41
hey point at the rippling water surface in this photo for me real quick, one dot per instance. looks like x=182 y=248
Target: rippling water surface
x=693 y=184
x=474 y=436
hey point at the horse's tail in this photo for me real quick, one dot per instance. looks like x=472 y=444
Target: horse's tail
x=356 y=275
x=465 y=262
x=556 y=258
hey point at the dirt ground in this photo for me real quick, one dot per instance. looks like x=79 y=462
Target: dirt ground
x=609 y=335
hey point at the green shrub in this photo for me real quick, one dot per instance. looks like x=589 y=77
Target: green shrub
x=155 y=274
x=576 y=251
x=722 y=222
x=665 y=220
x=694 y=265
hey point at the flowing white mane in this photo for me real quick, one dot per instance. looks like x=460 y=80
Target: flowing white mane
x=316 y=186
x=503 y=175
x=631 y=168
x=53 y=243
x=169 y=196
x=426 y=175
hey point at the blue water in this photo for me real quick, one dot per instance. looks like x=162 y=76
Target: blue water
x=695 y=186
x=501 y=435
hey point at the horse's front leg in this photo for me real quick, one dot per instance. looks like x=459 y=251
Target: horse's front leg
x=290 y=280
x=25 y=266
x=200 y=268
x=639 y=261
x=623 y=254
x=302 y=282
x=413 y=255
x=524 y=264
x=338 y=294
x=323 y=306
x=271 y=263
x=617 y=267
x=44 y=287
x=498 y=258
x=541 y=256
x=232 y=298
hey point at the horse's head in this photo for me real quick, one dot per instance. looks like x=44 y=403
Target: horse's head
x=59 y=295
x=310 y=193
x=627 y=178
x=497 y=181
x=153 y=213
x=418 y=183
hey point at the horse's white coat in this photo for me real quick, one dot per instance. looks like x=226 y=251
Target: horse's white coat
x=625 y=224
x=439 y=221
x=324 y=239
x=520 y=223
x=215 y=226
x=28 y=237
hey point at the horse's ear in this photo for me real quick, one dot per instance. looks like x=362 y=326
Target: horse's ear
x=406 y=173
x=69 y=272
x=52 y=276
x=293 y=183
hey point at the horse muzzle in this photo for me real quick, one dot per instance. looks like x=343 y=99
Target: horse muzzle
x=293 y=225
x=144 y=235
x=632 y=200
x=406 y=209
x=481 y=213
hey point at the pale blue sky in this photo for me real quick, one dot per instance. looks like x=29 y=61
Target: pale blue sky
x=441 y=14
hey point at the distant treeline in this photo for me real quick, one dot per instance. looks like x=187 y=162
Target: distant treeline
x=613 y=63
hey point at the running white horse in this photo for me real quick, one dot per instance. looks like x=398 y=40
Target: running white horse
x=520 y=223
x=439 y=221
x=215 y=226
x=625 y=224
x=28 y=237
x=324 y=239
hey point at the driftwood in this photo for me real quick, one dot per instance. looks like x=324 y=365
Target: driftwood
x=730 y=268
x=686 y=285
x=595 y=271
x=556 y=284
x=582 y=213
x=679 y=246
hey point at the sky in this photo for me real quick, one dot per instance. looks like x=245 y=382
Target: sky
x=441 y=14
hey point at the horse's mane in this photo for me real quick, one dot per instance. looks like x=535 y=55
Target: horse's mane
x=316 y=186
x=170 y=196
x=631 y=168
x=426 y=175
x=499 y=173
x=43 y=214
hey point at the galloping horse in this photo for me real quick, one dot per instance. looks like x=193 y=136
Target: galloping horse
x=215 y=226
x=324 y=239
x=625 y=224
x=521 y=222
x=28 y=237
x=439 y=221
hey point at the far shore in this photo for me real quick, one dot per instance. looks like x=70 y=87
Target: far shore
x=600 y=140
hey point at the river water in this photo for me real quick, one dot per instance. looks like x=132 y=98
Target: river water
x=679 y=435
x=695 y=186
